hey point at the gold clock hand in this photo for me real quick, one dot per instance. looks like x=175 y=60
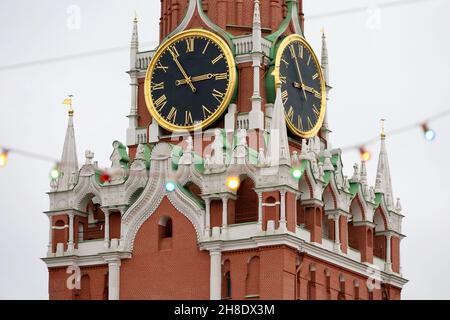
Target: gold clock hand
x=196 y=79
x=186 y=77
x=316 y=93
x=300 y=76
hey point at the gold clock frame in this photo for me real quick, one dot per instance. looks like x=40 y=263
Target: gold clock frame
x=228 y=96
x=286 y=42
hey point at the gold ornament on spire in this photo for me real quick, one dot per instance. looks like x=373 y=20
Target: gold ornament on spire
x=68 y=102
x=383 y=132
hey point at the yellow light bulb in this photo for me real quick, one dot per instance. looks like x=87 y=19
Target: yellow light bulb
x=3 y=158
x=233 y=183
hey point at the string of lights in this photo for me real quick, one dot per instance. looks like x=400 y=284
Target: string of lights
x=354 y=10
x=428 y=133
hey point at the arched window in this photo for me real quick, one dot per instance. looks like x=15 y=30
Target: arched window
x=325 y=227
x=247 y=206
x=253 y=279
x=165 y=227
x=59 y=234
x=165 y=230
x=271 y=210
x=80 y=232
x=369 y=238
x=226 y=280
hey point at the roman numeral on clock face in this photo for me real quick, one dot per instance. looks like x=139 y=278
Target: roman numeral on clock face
x=161 y=102
x=160 y=66
x=158 y=86
x=174 y=52
x=218 y=95
x=316 y=111
x=284 y=96
x=206 y=112
x=300 y=123
x=293 y=53
x=188 y=118
x=221 y=76
x=290 y=113
x=190 y=45
x=172 y=115
x=217 y=59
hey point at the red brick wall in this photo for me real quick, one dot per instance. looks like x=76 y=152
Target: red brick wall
x=58 y=283
x=395 y=252
x=235 y=16
x=155 y=274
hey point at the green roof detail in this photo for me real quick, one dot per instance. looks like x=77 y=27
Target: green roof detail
x=354 y=189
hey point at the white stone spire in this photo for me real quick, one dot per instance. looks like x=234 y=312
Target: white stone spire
x=69 y=160
x=324 y=60
x=257 y=33
x=383 y=183
x=278 y=150
x=133 y=115
x=134 y=46
x=326 y=73
x=256 y=116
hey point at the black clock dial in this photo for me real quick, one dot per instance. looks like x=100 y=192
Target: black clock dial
x=191 y=81
x=302 y=87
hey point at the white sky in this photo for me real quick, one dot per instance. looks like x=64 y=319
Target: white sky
x=396 y=69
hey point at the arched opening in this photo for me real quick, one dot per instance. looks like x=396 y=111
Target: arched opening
x=95 y=219
x=357 y=215
x=326 y=227
x=115 y=221
x=60 y=233
x=253 y=278
x=226 y=280
x=247 y=203
x=80 y=232
x=165 y=232
x=301 y=221
x=271 y=212
x=379 y=240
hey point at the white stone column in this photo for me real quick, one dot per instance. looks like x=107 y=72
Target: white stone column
x=50 y=236
x=106 y=238
x=215 y=288
x=70 y=245
x=388 y=266
x=207 y=217
x=337 y=234
x=283 y=210
x=224 y=213
x=260 y=211
x=114 y=279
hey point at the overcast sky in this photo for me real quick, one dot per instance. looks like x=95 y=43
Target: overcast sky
x=392 y=63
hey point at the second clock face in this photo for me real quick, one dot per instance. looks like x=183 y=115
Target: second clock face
x=190 y=81
x=302 y=86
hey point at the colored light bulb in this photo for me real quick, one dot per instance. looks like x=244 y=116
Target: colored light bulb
x=3 y=158
x=297 y=173
x=170 y=186
x=233 y=183
x=365 y=154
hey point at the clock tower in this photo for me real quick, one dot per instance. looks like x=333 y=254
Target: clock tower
x=227 y=186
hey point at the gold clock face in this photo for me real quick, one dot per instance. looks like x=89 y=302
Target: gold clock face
x=302 y=85
x=190 y=81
